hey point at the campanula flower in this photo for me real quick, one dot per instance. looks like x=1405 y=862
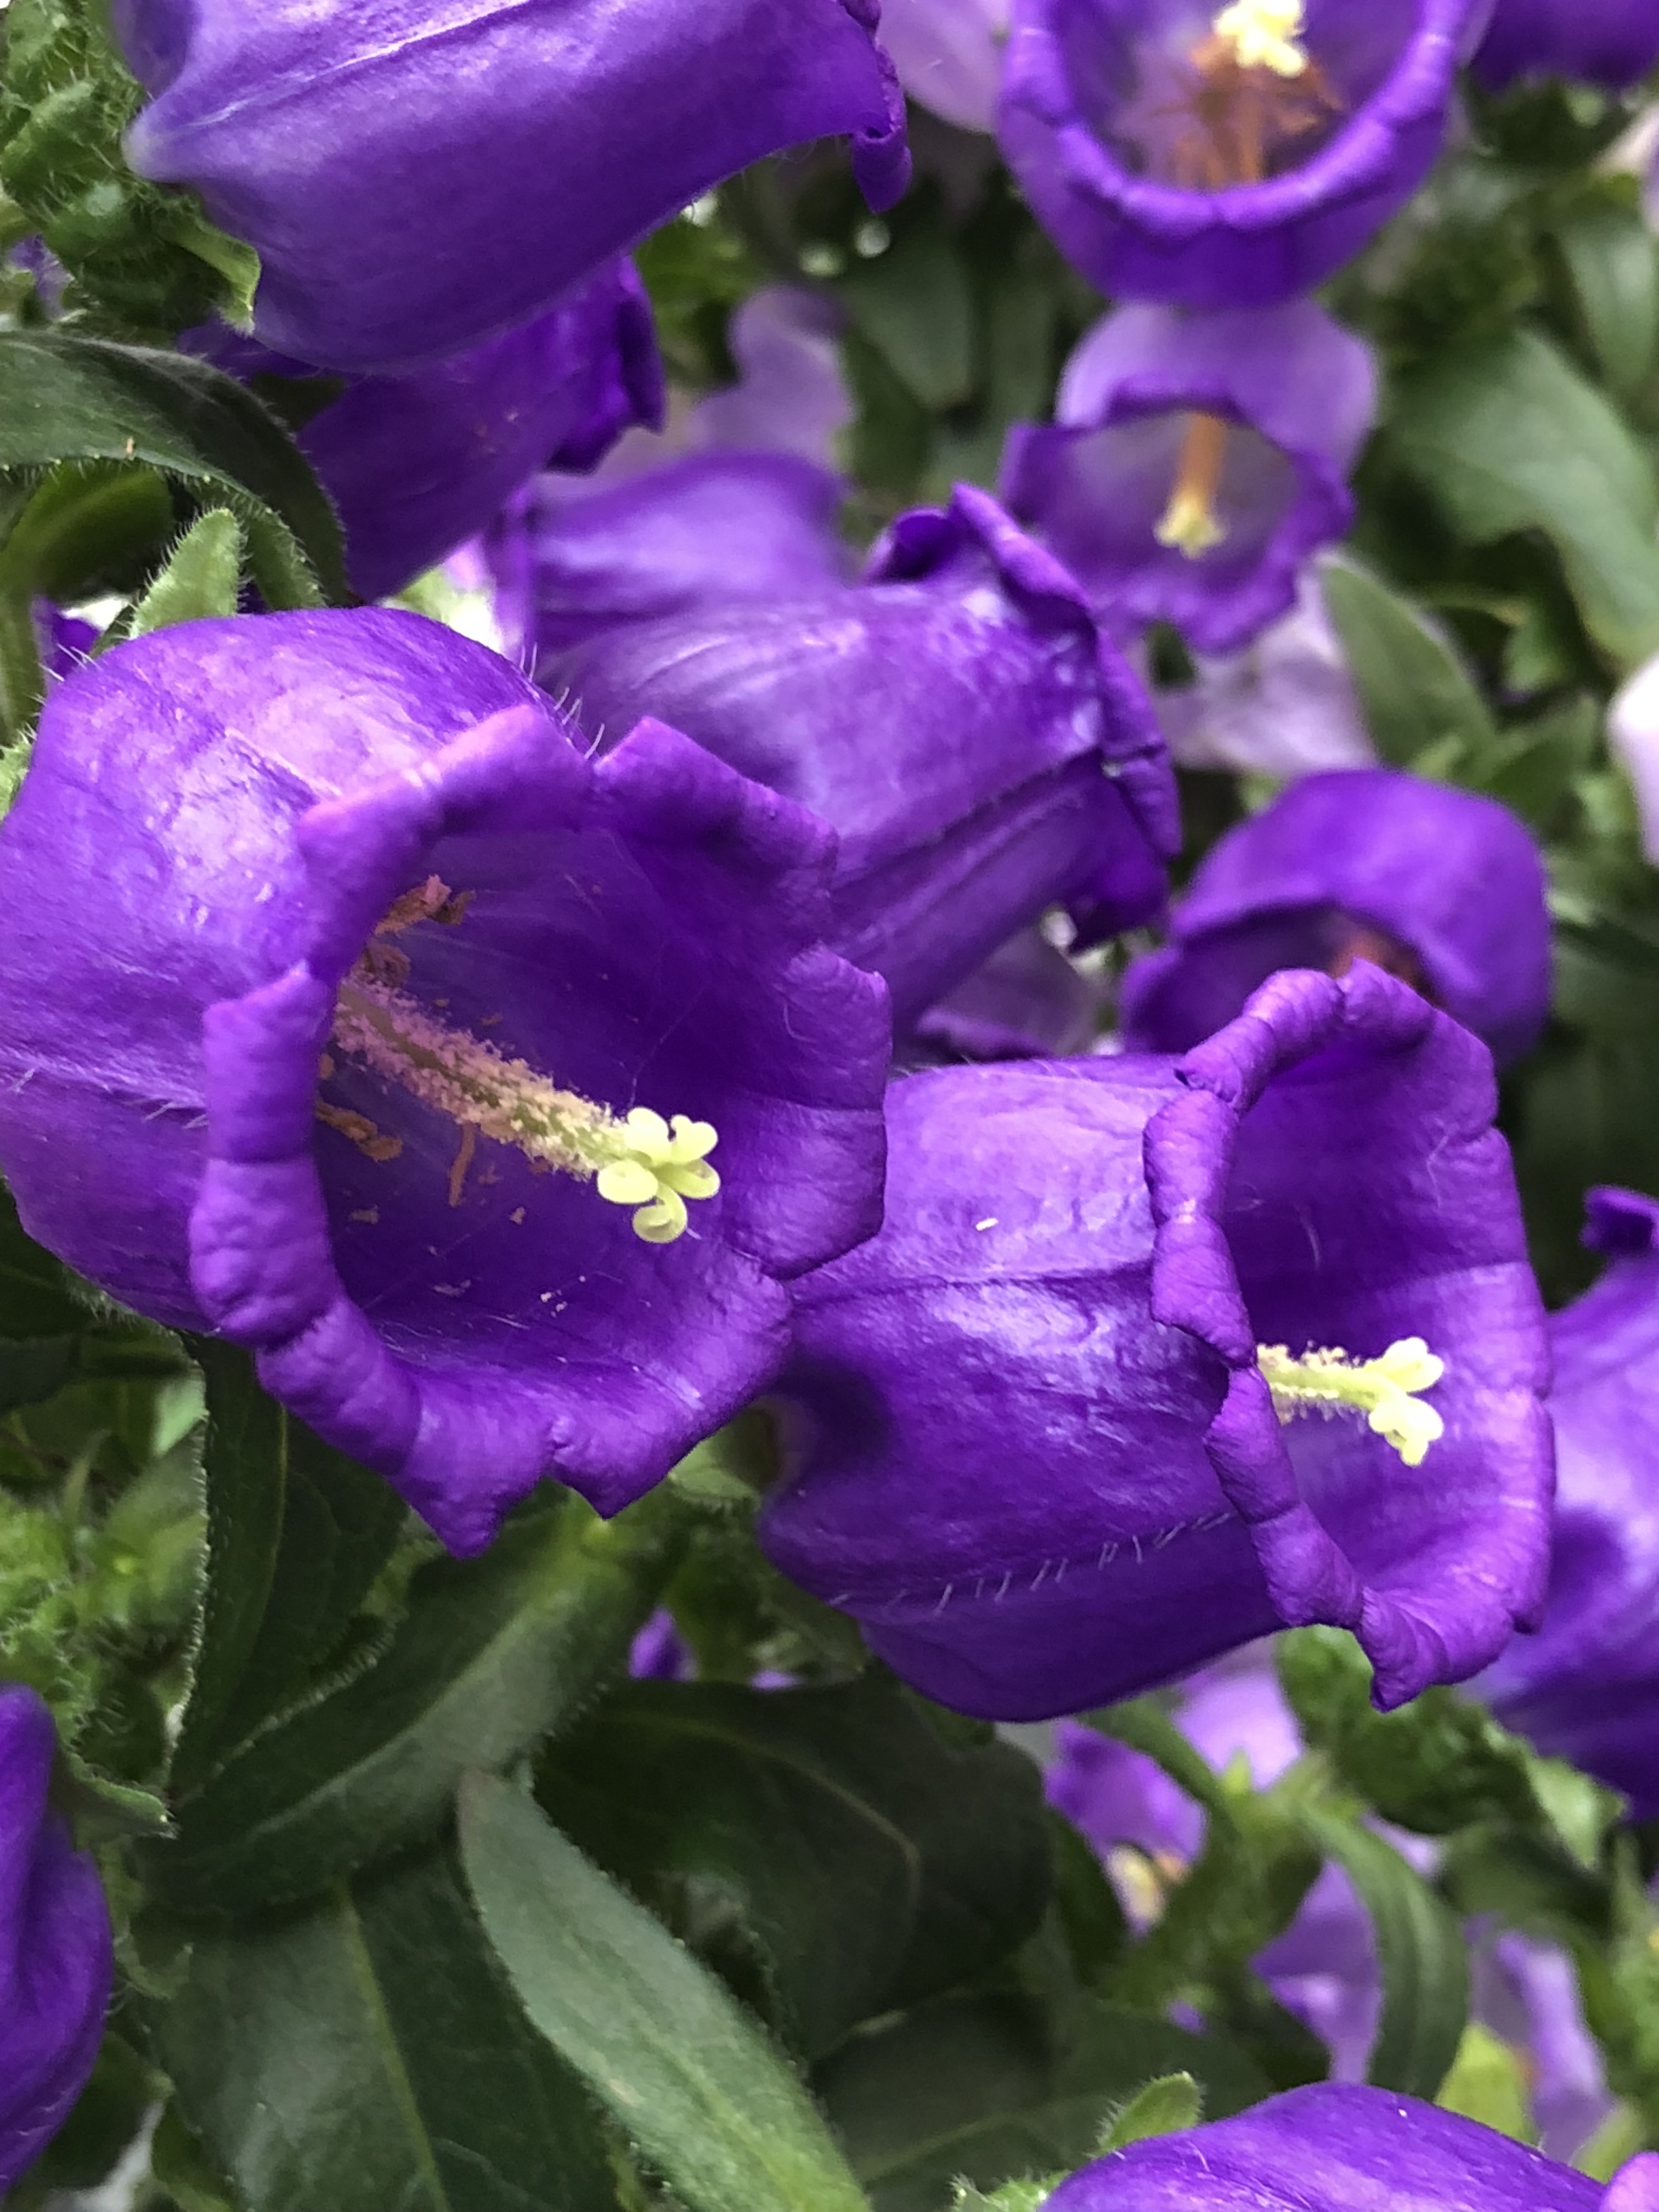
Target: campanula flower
x=1612 y=43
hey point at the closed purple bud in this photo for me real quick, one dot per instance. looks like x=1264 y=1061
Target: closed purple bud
x=1586 y=1687
x=1178 y=152
x=349 y=1009
x=1034 y=1445
x=1633 y=736
x=416 y=178
x=1335 y=2147
x=1444 y=888
x=1612 y=43
x=1195 y=462
x=981 y=750
x=57 y=1961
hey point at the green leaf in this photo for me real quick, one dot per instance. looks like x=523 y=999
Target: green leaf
x=1535 y=766
x=1612 y=260
x=492 y=1654
x=203 y=576
x=178 y=2165
x=1508 y=436
x=367 y=2053
x=1440 y=1763
x=72 y=398
x=1420 y=1949
x=1163 y=2107
x=975 y=2086
x=41 y=1323
x=147 y=258
x=1414 y=688
x=830 y=1849
x=709 y=2103
x=1488 y=2082
x=912 y=304
x=296 y=1534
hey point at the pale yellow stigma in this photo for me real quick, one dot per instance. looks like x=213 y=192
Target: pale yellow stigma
x=640 y=1161
x=1264 y=34
x=1384 y=1389
x=1189 y=522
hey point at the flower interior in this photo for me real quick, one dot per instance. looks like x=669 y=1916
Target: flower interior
x=639 y=1159
x=1387 y=1390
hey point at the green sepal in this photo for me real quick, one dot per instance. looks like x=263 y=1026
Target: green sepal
x=203 y=576
x=146 y=261
x=1164 y=2107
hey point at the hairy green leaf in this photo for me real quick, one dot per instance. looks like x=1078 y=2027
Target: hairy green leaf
x=365 y=2052
x=830 y=1848
x=709 y=2103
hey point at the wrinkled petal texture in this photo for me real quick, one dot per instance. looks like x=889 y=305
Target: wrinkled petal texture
x=706 y=530
x=1335 y=2147
x=419 y=175
x=1298 y=394
x=981 y=748
x=1606 y=42
x=1586 y=1687
x=1095 y=97
x=216 y=819
x=1029 y=1446
x=57 y=1959
x=1448 y=884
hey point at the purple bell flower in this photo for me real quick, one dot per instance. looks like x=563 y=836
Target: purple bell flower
x=314 y=918
x=1324 y=1967
x=1586 y=1687
x=1032 y=1442
x=1612 y=43
x=981 y=751
x=417 y=464
x=1197 y=461
x=1338 y=2147
x=419 y=175
x=56 y=1958
x=1441 y=887
x=1283 y=706
x=949 y=55
x=1225 y=157
x=740 y=499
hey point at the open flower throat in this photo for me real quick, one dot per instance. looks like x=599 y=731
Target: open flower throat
x=639 y=1160
x=1255 y=92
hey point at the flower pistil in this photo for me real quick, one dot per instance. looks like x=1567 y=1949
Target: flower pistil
x=1384 y=1389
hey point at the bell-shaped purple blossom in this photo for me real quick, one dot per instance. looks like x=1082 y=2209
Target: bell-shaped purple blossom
x=1195 y=462
x=949 y=55
x=1034 y=1443
x=1586 y=1687
x=740 y=499
x=1324 y=1967
x=1283 y=706
x=417 y=464
x=1612 y=43
x=1339 y=2146
x=57 y=1959
x=981 y=748
x=350 y=1009
x=418 y=175
x=1442 y=887
x=1218 y=157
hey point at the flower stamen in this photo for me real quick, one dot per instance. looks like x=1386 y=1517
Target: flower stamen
x=641 y=1161
x=1189 y=521
x=1263 y=34
x=1384 y=1389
